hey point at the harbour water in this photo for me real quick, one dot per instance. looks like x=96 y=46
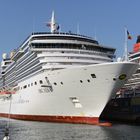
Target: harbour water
x=27 y=130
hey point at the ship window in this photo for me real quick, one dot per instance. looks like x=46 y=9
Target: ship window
x=55 y=83
x=81 y=81
x=41 y=82
x=28 y=85
x=61 y=83
x=31 y=84
x=93 y=75
x=35 y=83
x=114 y=79
x=25 y=86
x=88 y=80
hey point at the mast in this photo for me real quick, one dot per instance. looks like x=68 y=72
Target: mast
x=54 y=27
x=78 y=30
x=127 y=36
x=125 y=45
x=53 y=23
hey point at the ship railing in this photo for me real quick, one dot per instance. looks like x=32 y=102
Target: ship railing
x=61 y=33
x=19 y=53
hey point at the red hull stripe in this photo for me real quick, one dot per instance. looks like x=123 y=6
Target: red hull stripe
x=62 y=119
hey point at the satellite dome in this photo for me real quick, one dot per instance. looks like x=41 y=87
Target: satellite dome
x=4 y=55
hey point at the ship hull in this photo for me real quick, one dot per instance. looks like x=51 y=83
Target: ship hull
x=74 y=95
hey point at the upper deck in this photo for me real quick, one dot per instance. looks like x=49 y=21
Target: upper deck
x=61 y=38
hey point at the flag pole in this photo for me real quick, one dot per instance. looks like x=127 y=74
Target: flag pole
x=125 y=46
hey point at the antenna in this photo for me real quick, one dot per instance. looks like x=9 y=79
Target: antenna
x=95 y=33
x=33 y=28
x=78 y=30
x=53 y=23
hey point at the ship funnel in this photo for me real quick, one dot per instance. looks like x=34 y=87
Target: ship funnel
x=138 y=39
x=136 y=47
x=54 y=27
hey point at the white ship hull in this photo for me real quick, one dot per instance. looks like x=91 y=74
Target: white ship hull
x=71 y=95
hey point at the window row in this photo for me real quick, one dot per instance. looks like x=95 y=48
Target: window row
x=32 y=84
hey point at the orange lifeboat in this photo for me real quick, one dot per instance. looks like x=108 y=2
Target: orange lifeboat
x=6 y=92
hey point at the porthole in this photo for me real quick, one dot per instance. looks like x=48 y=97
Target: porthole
x=55 y=83
x=81 y=81
x=25 y=86
x=41 y=82
x=114 y=79
x=61 y=83
x=88 y=80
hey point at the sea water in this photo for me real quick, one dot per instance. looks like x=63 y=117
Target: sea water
x=27 y=130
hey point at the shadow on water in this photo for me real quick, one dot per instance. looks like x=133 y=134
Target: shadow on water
x=25 y=130
x=122 y=131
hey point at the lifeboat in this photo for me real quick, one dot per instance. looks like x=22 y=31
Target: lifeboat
x=6 y=94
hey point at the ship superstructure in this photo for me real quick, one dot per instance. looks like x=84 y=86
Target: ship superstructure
x=61 y=77
x=45 y=51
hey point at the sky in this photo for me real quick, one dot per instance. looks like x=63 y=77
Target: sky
x=101 y=19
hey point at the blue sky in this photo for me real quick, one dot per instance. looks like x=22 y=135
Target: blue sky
x=105 y=18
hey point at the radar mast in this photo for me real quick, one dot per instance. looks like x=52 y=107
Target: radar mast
x=54 y=27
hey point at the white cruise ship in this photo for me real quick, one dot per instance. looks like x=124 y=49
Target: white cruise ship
x=60 y=77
